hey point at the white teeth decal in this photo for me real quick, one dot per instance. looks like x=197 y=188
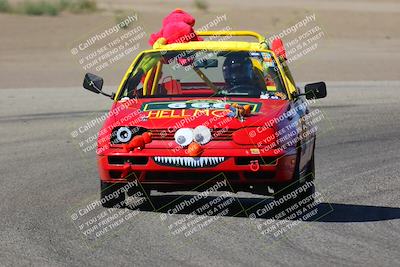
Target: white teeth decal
x=189 y=161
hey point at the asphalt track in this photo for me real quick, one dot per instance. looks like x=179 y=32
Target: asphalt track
x=45 y=176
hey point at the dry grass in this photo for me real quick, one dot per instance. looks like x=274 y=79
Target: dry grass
x=49 y=8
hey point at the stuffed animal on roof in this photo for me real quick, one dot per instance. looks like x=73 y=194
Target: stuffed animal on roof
x=177 y=27
x=278 y=48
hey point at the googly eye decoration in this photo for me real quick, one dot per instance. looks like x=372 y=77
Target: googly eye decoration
x=202 y=135
x=184 y=136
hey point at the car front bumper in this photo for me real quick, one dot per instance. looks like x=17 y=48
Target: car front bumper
x=161 y=167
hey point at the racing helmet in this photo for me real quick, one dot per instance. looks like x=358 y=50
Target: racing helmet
x=237 y=69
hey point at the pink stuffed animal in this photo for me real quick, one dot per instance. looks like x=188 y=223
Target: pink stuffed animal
x=177 y=28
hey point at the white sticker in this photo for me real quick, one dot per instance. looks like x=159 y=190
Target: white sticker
x=177 y=105
x=255 y=54
x=219 y=105
x=201 y=105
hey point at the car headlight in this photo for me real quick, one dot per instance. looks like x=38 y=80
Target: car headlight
x=256 y=136
x=184 y=136
x=202 y=134
x=124 y=135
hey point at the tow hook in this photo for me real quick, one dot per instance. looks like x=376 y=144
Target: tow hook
x=126 y=170
x=254 y=165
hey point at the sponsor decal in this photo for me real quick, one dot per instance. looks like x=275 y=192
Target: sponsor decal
x=183 y=109
x=255 y=151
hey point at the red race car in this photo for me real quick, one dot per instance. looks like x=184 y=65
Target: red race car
x=189 y=113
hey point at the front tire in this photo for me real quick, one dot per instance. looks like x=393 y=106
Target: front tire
x=302 y=187
x=111 y=196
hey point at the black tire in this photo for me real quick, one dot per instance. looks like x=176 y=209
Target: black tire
x=139 y=198
x=302 y=186
x=309 y=174
x=144 y=191
x=111 y=196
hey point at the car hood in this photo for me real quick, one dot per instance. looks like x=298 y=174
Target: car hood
x=159 y=113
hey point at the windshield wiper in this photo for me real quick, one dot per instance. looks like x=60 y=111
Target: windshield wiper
x=205 y=79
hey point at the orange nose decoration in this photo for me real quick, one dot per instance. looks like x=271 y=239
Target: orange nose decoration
x=147 y=137
x=137 y=141
x=247 y=110
x=194 y=149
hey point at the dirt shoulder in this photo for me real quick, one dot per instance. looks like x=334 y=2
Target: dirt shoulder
x=357 y=36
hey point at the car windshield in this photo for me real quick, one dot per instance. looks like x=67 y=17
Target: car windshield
x=204 y=73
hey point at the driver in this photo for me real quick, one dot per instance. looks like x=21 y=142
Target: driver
x=239 y=75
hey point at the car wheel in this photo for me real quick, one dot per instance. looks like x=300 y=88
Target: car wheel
x=309 y=174
x=302 y=188
x=144 y=192
x=139 y=198
x=111 y=196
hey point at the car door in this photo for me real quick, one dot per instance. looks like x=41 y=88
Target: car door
x=305 y=135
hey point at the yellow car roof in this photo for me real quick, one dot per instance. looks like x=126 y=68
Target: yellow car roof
x=261 y=45
x=213 y=45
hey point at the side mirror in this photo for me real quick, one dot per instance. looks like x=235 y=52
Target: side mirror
x=315 y=90
x=93 y=83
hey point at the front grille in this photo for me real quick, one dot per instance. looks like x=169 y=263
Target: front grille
x=261 y=160
x=120 y=175
x=115 y=174
x=199 y=176
x=189 y=162
x=121 y=160
x=218 y=134
x=259 y=175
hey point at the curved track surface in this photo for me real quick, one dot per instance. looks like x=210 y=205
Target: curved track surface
x=45 y=176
